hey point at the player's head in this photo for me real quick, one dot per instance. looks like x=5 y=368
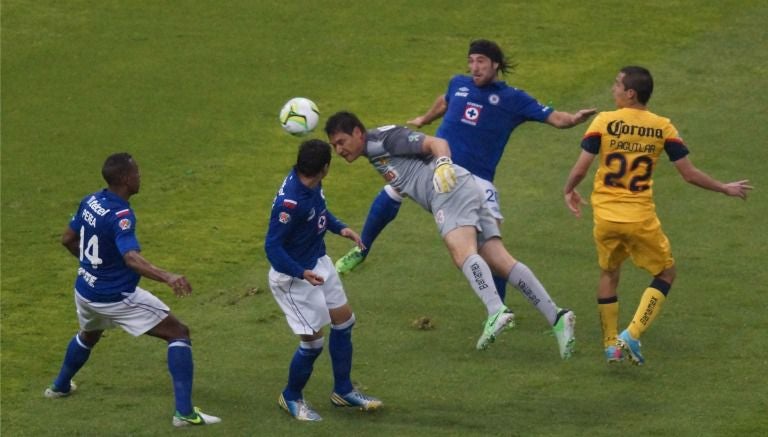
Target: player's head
x=347 y=134
x=314 y=158
x=633 y=84
x=486 y=61
x=121 y=173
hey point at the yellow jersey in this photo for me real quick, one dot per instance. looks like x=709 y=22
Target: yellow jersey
x=629 y=142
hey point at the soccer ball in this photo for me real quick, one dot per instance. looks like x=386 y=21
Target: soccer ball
x=299 y=116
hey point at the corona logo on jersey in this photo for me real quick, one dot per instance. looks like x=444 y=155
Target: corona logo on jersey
x=618 y=128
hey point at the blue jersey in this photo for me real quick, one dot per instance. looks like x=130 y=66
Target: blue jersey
x=106 y=225
x=479 y=120
x=297 y=226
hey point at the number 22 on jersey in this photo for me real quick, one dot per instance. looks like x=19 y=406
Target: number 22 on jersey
x=640 y=170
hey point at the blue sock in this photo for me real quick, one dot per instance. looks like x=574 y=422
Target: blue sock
x=383 y=210
x=340 y=347
x=301 y=368
x=501 y=287
x=76 y=356
x=181 y=367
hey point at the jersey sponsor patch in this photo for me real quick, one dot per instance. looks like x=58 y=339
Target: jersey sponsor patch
x=471 y=113
x=390 y=175
x=284 y=217
x=125 y=224
x=290 y=204
x=493 y=99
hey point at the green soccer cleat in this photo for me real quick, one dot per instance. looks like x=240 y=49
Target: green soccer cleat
x=563 y=329
x=197 y=418
x=497 y=322
x=52 y=392
x=348 y=262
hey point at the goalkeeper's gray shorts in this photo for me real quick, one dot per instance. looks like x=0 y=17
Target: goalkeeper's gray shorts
x=465 y=206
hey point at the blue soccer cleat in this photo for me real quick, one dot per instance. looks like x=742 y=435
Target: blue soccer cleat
x=613 y=354
x=356 y=399
x=631 y=347
x=299 y=409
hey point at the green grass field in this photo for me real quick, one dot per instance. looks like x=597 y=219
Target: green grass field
x=192 y=89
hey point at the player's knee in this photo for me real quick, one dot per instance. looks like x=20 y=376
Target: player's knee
x=90 y=338
x=183 y=331
x=667 y=275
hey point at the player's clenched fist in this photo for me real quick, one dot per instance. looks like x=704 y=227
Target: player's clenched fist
x=444 y=178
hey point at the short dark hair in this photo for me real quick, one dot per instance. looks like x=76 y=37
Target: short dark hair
x=493 y=52
x=313 y=156
x=116 y=167
x=343 y=121
x=638 y=79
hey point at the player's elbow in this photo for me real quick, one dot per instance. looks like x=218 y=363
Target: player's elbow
x=560 y=120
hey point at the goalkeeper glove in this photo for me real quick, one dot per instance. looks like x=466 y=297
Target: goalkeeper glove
x=444 y=178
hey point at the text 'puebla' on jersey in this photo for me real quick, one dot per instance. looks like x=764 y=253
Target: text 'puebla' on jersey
x=629 y=143
x=106 y=227
x=299 y=219
x=478 y=122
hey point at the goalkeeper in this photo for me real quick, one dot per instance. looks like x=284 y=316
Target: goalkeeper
x=419 y=166
x=479 y=113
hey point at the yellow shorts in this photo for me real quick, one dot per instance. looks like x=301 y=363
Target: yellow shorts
x=644 y=241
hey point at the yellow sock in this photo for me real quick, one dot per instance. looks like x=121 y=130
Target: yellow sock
x=609 y=319
x=649 y=308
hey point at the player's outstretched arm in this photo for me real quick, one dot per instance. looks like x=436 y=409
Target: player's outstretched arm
x=142 y=266
x=436 y=111
x=352 y=235
x=694 y=176
x=573 y=199
x=564 y=120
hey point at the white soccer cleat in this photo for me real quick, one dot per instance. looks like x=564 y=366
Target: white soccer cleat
x=497 y=322
x=52 y=392
x=197 y=418
x=564 y=332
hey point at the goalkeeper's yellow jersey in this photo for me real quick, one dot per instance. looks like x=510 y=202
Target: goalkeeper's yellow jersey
x=629 y=143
